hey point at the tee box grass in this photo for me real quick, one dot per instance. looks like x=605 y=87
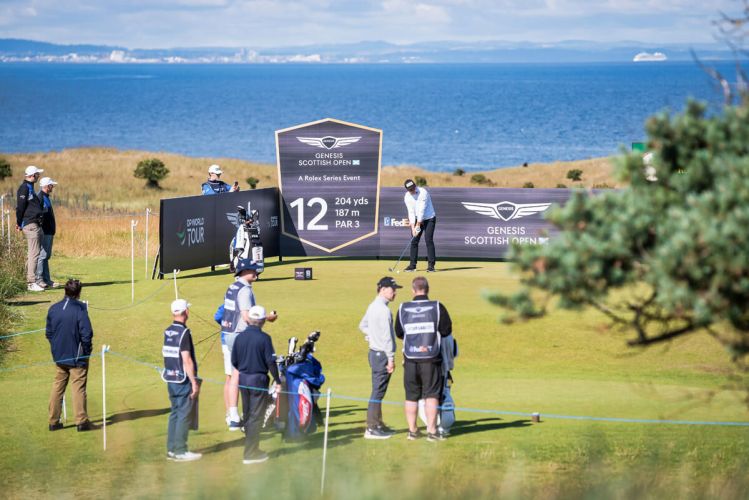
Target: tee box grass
x=564 y=364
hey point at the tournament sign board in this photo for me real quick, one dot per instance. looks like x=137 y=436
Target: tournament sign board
x=329 y=180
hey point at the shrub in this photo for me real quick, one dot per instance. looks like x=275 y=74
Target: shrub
x=479 y=179
x=153 y=170
x=603 y=185
x=252 y=181
x=459 y=172
x=528 y=185
x=561 y=186
x=575 y=174
x=420 y=181
x=5 y=170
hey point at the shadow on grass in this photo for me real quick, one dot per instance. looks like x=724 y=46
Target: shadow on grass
x=225 y=273
x=463 y=268
x=86 y=284
x=127 y=416
x=485 y=425
x=23 y=303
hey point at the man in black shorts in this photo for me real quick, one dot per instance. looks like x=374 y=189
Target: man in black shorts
x=422 y=323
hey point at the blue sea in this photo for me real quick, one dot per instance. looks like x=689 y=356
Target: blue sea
x=439 y=117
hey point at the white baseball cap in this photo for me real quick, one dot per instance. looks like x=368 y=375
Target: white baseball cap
x=179 y=305
x=31 y=170
x=46 y=181
x=257 y=312
x=215 y=169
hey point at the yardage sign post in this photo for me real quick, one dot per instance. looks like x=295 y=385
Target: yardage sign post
x=329 y=179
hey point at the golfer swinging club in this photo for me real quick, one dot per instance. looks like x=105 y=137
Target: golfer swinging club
x=422 y=219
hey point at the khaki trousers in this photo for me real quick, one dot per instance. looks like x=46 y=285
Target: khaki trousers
x=33 y=233
x=77 y=377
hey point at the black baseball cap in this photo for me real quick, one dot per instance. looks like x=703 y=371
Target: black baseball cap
x=388 y=282
x=409 y=184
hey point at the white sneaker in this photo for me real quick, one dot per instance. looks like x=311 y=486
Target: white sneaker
x=170 y=455
x=34 y=287
x=187 y=456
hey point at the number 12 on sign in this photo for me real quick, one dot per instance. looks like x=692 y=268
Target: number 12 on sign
x=313 y=223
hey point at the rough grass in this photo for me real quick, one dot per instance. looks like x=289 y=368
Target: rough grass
x=564 y=364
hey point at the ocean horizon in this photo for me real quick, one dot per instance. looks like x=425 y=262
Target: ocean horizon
x=439 y=117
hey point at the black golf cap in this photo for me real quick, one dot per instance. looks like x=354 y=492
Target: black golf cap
x=387 y=282
x=409 y=184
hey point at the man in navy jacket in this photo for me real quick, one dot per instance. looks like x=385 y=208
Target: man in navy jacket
x=70 y=338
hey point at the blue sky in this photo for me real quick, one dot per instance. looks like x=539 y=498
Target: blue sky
x=273 y=23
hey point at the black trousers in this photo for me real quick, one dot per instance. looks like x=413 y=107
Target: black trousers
x=253 y=409
x=378 y=361
x=427 y=229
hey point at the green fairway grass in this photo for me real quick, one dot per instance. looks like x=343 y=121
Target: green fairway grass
x=566 y=364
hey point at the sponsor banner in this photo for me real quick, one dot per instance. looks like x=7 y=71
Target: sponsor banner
x=196 y=231
x=472 y=222
x=329 y=175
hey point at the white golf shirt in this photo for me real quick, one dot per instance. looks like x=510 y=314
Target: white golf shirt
x=419 y=205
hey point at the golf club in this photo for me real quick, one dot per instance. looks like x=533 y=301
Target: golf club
x=392 y=269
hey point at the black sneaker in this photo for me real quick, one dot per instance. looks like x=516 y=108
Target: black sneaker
x=413 y=436
x=376 y=433
x=434 y=437
x=85 y=426
x=256 y=458
x=55 y=427
x=385 y=428
x=431 y=270
x=409 y=269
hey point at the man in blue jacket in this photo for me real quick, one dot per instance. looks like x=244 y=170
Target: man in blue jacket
x=70 y=338
x=214 y=185
x=49 y=228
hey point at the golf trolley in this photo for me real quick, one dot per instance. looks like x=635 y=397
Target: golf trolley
x=246 y=243
x=295 y=410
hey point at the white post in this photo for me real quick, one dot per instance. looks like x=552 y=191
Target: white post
x=133 y=223
x=176 y=294
x=7 y=213
x=64 y=410
x=325 y=443
x=148 y=212
x=2 y=211
x=104 y=349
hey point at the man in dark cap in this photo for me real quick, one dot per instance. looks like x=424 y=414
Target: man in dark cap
x=422 y=219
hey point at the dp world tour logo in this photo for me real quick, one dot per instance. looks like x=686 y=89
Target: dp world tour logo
x=191 y=232
x=328 y=142
x=506 y=210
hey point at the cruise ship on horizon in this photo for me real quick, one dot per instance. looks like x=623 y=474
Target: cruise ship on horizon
x=650 y=57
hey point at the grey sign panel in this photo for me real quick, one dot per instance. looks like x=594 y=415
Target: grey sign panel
x=329 y=176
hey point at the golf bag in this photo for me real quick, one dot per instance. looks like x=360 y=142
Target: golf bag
x=246 y=243
x=296 y=410
x=446 y=413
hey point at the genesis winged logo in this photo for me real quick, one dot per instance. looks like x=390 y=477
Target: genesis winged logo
x=506 y=210
x=328 y=142
x=417 y=309
x=233 y=218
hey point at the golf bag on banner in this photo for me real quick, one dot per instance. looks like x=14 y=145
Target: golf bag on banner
x=246 y=243
x=446 y=413
x=301 y=378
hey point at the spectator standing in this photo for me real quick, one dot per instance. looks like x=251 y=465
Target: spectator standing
x=49 y=228
x=29 y=221
x=214 y=184
x=70 y=338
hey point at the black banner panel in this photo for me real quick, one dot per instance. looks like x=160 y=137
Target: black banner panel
x=196 y=231
x=329 y=176
x=472 y=222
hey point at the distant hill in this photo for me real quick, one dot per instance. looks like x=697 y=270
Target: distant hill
x=568 y=51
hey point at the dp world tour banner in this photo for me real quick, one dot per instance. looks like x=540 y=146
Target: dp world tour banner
x=329 y=179
x=196 y=231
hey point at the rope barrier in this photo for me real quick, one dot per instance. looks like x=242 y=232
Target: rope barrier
x=46 y=363
x=21 y=333
x=130 y=306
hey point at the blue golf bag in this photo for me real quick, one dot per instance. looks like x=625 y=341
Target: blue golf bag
x=302 y=385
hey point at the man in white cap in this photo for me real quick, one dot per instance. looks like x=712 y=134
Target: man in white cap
x=214 y=185
x=181 y=375
x=48 y=228
x=252 y=358
x=29 y=220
